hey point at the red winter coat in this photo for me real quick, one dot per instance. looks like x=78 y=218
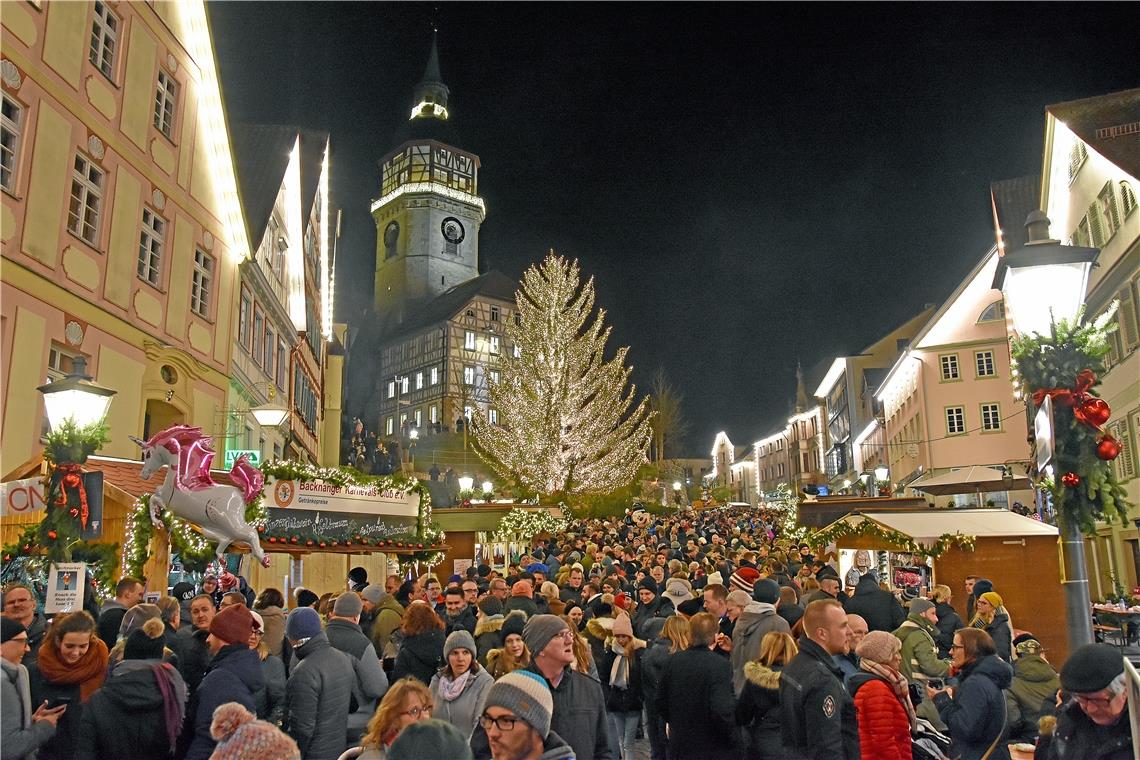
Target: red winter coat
x=884 y=731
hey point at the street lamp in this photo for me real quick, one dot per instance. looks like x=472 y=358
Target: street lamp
x=270 y=414
x=676 y=485
x=75 y=397
x=1044 y=282
x=466 y=482
x=488 y=487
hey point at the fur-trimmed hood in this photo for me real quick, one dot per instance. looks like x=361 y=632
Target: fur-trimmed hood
x=762 y=675
x=600 y=628
x=489 y=624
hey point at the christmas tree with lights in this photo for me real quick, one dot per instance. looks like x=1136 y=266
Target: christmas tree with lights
x=567 y=419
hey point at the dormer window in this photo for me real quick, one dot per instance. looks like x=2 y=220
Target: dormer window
x=993 y=313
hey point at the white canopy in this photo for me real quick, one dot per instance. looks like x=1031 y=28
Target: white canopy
x=928 y=525
x=972 y=479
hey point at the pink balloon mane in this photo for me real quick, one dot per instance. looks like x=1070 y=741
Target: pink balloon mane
x=195 y=454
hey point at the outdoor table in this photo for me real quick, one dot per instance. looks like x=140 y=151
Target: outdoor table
x=1128 y=621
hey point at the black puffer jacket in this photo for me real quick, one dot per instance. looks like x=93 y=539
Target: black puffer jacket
x=817 y=715
x=629 y=699
x=660 y=607
x=758 y=712
x=878 y=607
x=1078 y=737
x=948 y=621
x=126 y=717
x=420 y=656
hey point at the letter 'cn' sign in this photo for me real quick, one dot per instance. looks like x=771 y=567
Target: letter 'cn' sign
x=22 y=497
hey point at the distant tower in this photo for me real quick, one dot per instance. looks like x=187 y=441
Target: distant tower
x=801 y=391
x=429 y=211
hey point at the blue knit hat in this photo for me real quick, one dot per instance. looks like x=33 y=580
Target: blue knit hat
x=302 y=623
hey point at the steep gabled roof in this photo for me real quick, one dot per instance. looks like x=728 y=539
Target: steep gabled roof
x=493 y=284
x=261 y=154
x=1012 y=201
x=1109 y=124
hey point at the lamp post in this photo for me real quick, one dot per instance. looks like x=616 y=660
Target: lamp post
x=881 y=475
x=75 y=397
x=413 y=436
x=1043 y=282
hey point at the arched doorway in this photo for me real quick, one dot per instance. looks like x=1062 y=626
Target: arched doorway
x=159 y=416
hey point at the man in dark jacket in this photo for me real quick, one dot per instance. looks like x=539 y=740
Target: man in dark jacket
x=193 y=652
x=1094 y=724
x=20 y=605
x=818 y=714
x=344 y=634
x=579 y=708
x=695 y=697
x=878 y=607
x=524 y=698
x=318 y=693
x=572 y=590
x=757 y=620
x=128 y=593
x=457 y=613
x=233 y=676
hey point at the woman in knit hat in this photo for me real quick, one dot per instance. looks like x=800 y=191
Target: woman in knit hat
x=992 y=617
x=133 y=621
x=406 y=702
x=138 y=712
x=241 y=736
x=71 y=666
x=620 y=670
x=461 y=685
x=513 y=655
x=883 y=708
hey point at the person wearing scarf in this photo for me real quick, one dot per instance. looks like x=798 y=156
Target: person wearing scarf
x=460 y=687
x=71 y=667
x=621 y=684
x=138 y=713
x=882 y=699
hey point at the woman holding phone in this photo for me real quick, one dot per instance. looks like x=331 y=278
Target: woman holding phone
x=71 y=666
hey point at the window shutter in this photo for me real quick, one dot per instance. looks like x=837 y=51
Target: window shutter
x=1126 y=462
x=1096 y=227
x=1110 y=209
x=1126 y=317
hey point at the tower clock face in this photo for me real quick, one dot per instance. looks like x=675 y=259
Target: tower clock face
x=452 y=229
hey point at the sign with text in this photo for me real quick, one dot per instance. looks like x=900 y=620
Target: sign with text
x=316 y=509
x=253 y=455
x=65 y=587
x=22 y=497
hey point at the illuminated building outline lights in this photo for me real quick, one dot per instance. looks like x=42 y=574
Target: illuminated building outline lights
x=433 y=187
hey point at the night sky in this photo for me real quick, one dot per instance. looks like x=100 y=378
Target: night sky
x=749 y=184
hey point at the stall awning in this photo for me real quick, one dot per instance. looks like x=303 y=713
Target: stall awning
x=972 y=479
x=930 y=524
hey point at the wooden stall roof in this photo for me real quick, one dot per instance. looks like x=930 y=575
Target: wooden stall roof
x=825 y=510
x=982 y=523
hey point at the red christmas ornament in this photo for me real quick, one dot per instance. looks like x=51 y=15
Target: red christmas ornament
x=399 y=544
x=323 y=544
x=1093 y=411
x=1070 y=480
x=52 y=535
x=294 y=539
x=260 y=528
x=1108 y=448
x=309 y=542
x=272 y=540
x=420 y=546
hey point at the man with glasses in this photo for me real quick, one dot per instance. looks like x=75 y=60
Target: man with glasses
x=22 y=731
x=1094 y=724
x=516 y=717
x=20 y=605
x=470 y=592
x=500 y=589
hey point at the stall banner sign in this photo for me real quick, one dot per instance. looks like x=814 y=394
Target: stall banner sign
x=65 y=587
x=316 y=509
x=22 y=497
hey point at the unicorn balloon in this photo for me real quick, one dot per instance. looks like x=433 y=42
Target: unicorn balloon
x=189 y=491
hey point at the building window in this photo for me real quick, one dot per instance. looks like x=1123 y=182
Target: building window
x=1077 y=155
x=1109 y=211
x=11 y=120
x=270 y=348
x=1127 y=198
x=165 y=100
x=493 y=416
x=434 y=376
x=468 y=412
x=419 y=380
x=518 y=318
x=494 y=313
x=468 y=375
x=404 y=384
x=516 y=352
x=469 y=340
x=433 y=414
x=282 y=362
x=1125 y=463
x=389 y=426
x=104 y=39
x=201 y=289
x=994 y=312
x=984 y=361
x=151 y=240
x=494 y=377
x=245 y=314
x=494 y=343
x=391 y=389
x=258 y=332
x=955 y=420
x=991 y=417
x=418 y=417
x=949 y=365
x=86 y=200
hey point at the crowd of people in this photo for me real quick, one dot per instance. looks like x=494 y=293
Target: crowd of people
x=706 y=633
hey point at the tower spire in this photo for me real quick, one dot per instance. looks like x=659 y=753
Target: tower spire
x=801 y=391
x=430 y=95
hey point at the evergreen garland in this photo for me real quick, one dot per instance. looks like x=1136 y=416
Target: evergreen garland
x=900 y=541
x=1045 y=363
x=522 y=524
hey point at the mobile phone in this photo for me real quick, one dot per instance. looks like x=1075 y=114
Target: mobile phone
x=936 y=683
x=55 y=702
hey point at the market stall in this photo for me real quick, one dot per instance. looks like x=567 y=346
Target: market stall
x=936 y=546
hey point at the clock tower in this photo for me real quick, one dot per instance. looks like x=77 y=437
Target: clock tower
x=429 y=210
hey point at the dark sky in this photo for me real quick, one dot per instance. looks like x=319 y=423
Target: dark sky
x=749 y=184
